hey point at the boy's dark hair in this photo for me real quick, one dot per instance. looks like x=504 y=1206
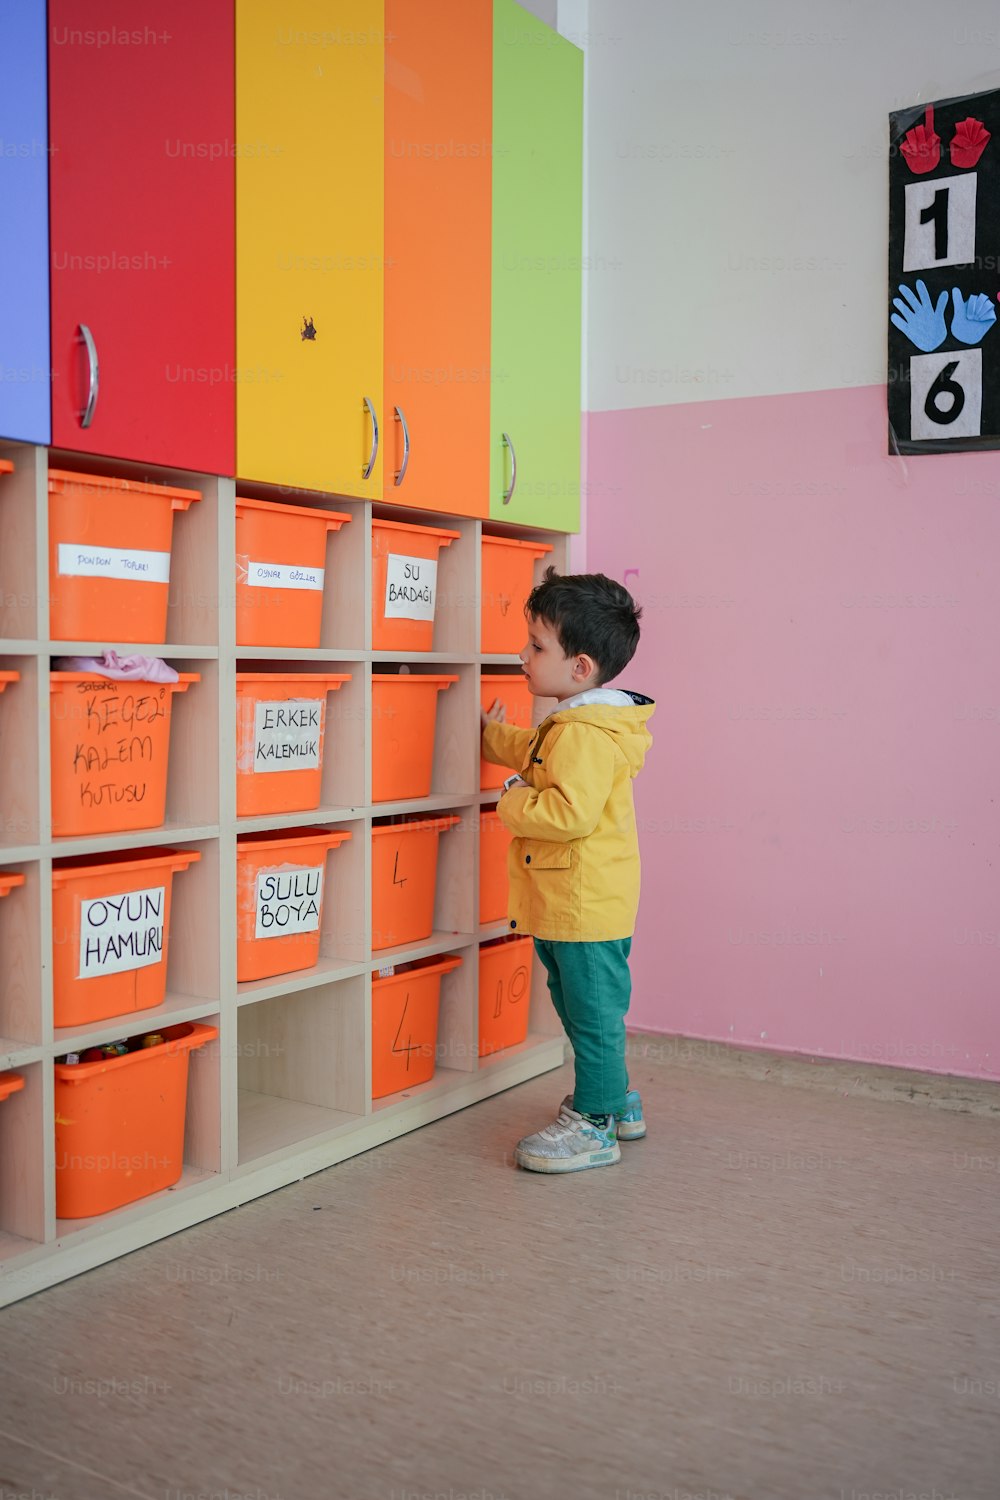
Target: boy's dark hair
x=591 y=615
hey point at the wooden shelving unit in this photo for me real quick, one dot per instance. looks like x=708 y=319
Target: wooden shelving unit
x=286 y=1088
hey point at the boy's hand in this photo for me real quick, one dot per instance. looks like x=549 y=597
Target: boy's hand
x=496 y=715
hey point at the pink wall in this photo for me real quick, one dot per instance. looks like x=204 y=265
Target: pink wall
x=820 y=813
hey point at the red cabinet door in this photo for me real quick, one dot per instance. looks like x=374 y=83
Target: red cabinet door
x=142 y=229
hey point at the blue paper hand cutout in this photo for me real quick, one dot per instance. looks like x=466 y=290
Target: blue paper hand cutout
x=922 y=323
x=971 y=320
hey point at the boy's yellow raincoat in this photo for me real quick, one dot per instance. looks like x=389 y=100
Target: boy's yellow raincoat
x=574 y=858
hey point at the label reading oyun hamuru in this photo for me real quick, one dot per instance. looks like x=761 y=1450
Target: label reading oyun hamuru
x=121 y=932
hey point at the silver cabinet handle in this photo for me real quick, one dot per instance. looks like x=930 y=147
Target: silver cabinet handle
x=84 y=336
x=366 y=470
x=401 y=471
x=513 y=468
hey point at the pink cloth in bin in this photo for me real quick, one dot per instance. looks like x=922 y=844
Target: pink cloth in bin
x=123 y=668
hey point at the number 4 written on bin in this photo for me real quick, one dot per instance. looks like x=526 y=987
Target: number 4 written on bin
x=408 y=1046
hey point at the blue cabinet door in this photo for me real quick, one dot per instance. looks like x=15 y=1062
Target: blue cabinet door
x=25 y=404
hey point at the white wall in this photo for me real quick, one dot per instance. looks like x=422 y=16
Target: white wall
x=736 y=178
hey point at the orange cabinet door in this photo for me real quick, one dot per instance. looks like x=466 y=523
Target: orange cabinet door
x=438 y=246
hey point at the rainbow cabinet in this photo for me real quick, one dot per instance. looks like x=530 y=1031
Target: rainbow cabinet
x=309 y=244
x=438 y=132
x=24 y=211
x=141 y=202
x=536 y=287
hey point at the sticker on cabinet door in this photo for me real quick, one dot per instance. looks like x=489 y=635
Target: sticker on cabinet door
x=287 y=735
x=121 y=932
x=273 y=575
x=80 y=560
x=289 y=900
x=410 y=587
x=308 y=328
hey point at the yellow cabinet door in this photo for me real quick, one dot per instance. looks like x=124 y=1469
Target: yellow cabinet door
x=309 y=232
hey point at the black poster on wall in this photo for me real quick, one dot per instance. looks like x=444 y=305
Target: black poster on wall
x=943 y=381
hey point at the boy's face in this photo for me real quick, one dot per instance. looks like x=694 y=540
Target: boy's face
x=550 y=673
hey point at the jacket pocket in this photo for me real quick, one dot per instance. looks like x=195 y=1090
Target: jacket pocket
x=539 y=854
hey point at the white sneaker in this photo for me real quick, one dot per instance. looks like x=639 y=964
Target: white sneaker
x=569 y=1145
x=631 y=1125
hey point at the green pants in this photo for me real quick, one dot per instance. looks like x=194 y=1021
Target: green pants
x=591 y=987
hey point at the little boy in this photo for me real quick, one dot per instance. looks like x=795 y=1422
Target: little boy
x=574 y=857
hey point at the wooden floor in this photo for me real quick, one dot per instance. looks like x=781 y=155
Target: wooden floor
x=782 y=1294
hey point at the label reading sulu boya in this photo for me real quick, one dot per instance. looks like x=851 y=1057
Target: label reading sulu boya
x=410 y=587
x=121 y=932
x=289 y=900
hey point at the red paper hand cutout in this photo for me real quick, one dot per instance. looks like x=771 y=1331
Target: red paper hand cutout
x=968 y=143
x=922 y=146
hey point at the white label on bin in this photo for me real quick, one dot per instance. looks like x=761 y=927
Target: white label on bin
x=287 y=734
x=79 y=560
x=289 y=900
x=121 y=932
x=272 y=575
x=410 y=587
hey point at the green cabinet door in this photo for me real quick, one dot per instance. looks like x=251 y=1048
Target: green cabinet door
x=536 y=296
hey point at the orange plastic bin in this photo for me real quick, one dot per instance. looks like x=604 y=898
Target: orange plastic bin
x=6 y=467
x=515 y=694
x=281 y=571
x=110 y=748
x=404 y=879
x=120 y=1123
x=494 y=841
x=9 y=882
x=10 y=1083
x=404 y=584
x=405 y=1008
x=111 y=931
x=508 y=569
x=109 y=556
x=280 y=733
x=404 y=716
x=280 y=879
x=6 y=678
x=504 y=993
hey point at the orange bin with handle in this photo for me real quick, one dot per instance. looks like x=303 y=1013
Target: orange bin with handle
x=111 y=931
x=404 y=584
x=404 y=719
x=281 y=572
x=404 y=879
x=110 y=542
x=494 y=841
x=120 y=1123
x=10 y=1083
x=280 y=738
x=504 y=993
x=508 y=572
x=405 y=1009
x=280 y=888
x=515 y=694
x=9 y=882
x=110 y=748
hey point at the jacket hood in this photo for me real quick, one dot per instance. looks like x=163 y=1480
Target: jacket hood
x=624 y=720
